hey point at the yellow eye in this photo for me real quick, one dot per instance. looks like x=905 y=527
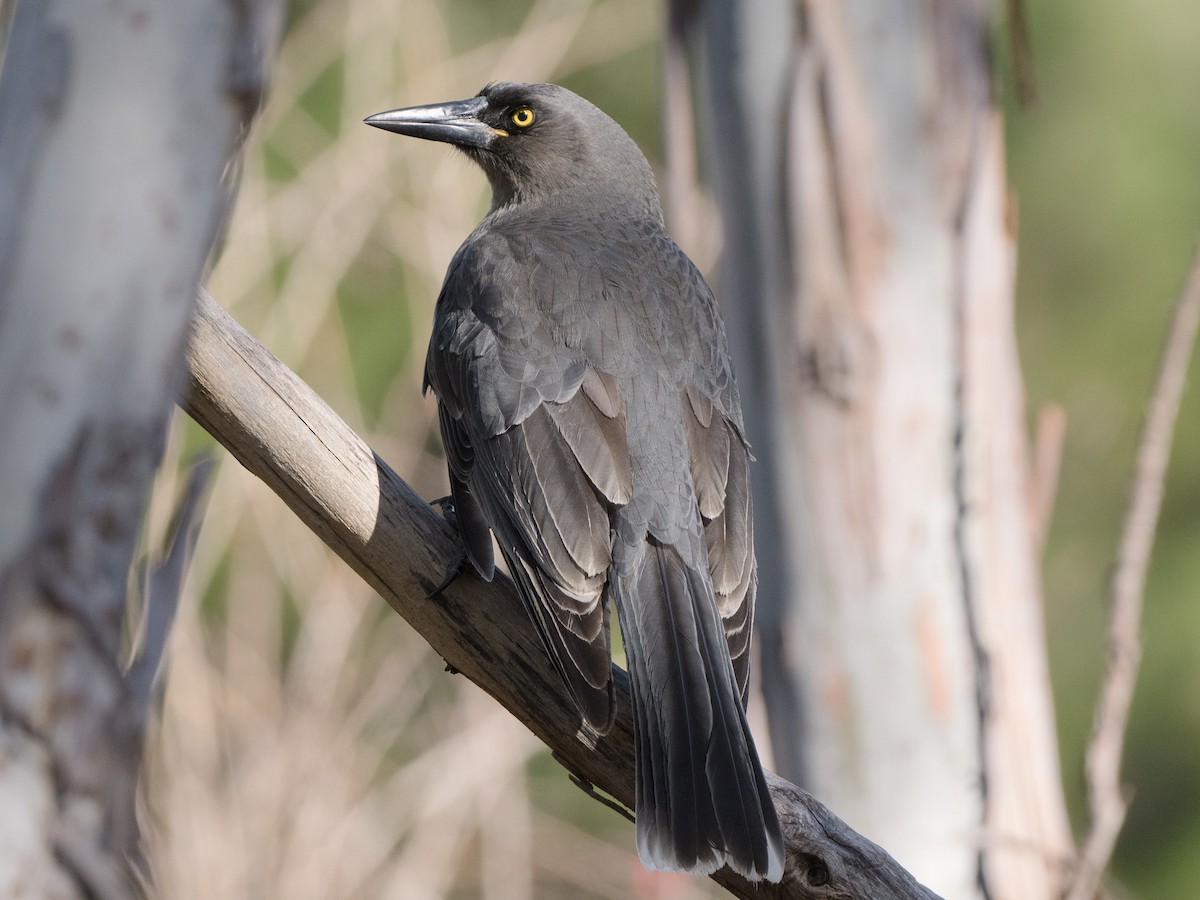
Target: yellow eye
x=523 y=117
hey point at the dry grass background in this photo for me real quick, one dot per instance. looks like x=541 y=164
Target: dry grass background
x=309 y=744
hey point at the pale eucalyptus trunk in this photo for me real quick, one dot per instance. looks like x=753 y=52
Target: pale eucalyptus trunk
x=857 y=153
x=116 y=124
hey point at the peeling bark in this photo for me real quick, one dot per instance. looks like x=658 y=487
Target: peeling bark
x=868 y=280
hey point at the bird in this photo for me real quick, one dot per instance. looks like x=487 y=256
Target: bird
x=592 y=423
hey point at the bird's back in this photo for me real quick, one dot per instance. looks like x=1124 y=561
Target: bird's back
x=591 y=422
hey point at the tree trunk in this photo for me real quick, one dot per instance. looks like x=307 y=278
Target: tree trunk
x=868 y=283
x=116 y=123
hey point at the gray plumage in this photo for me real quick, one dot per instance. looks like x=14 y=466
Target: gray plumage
x=591 y=422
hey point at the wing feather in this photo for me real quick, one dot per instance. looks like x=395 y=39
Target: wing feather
x=536 y=447
x=595 y=432
x=472 y=523
x=720 y=468
x=708 y=449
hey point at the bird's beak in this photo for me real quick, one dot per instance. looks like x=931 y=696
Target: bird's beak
x=454 y=123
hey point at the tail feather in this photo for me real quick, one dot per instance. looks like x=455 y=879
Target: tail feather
x=583 y=660
x=702 y=800
x=747 y=828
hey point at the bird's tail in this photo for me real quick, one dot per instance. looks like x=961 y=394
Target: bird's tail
x=702 y=801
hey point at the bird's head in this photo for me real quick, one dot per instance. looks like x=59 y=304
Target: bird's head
x=536 y=141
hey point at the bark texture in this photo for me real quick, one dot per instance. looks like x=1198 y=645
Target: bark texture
x=868 y=280
x=116 y=123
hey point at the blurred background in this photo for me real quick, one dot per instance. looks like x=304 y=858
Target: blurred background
x=312 y=746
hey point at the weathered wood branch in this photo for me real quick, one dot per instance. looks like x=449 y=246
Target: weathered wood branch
x=281 y=431
x=162 y=589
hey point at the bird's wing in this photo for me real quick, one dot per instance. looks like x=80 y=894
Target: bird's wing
x=720 y=465
x=535 y=439
x=697 y=356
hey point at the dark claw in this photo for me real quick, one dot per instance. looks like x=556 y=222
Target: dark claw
x=446 y=505
x=455 y=571
x=588 y=788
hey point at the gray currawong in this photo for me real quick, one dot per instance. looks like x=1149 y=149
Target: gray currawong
x=592 y=423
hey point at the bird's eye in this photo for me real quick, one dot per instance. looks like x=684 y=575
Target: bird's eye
x=523 y=117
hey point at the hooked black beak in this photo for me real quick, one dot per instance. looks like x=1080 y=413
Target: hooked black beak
x=454 y=123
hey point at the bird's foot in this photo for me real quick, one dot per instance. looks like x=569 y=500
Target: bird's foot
x=454 y=571
x=446 y=505
x=590 y=789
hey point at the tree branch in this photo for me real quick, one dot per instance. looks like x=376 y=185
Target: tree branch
x=280 y=430
x=1106 y=801
x=1049 y=436
x=164 y=584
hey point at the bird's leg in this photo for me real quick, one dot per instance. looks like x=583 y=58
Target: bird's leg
x=590 y=789
x=452 y=573
x=446 y=505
